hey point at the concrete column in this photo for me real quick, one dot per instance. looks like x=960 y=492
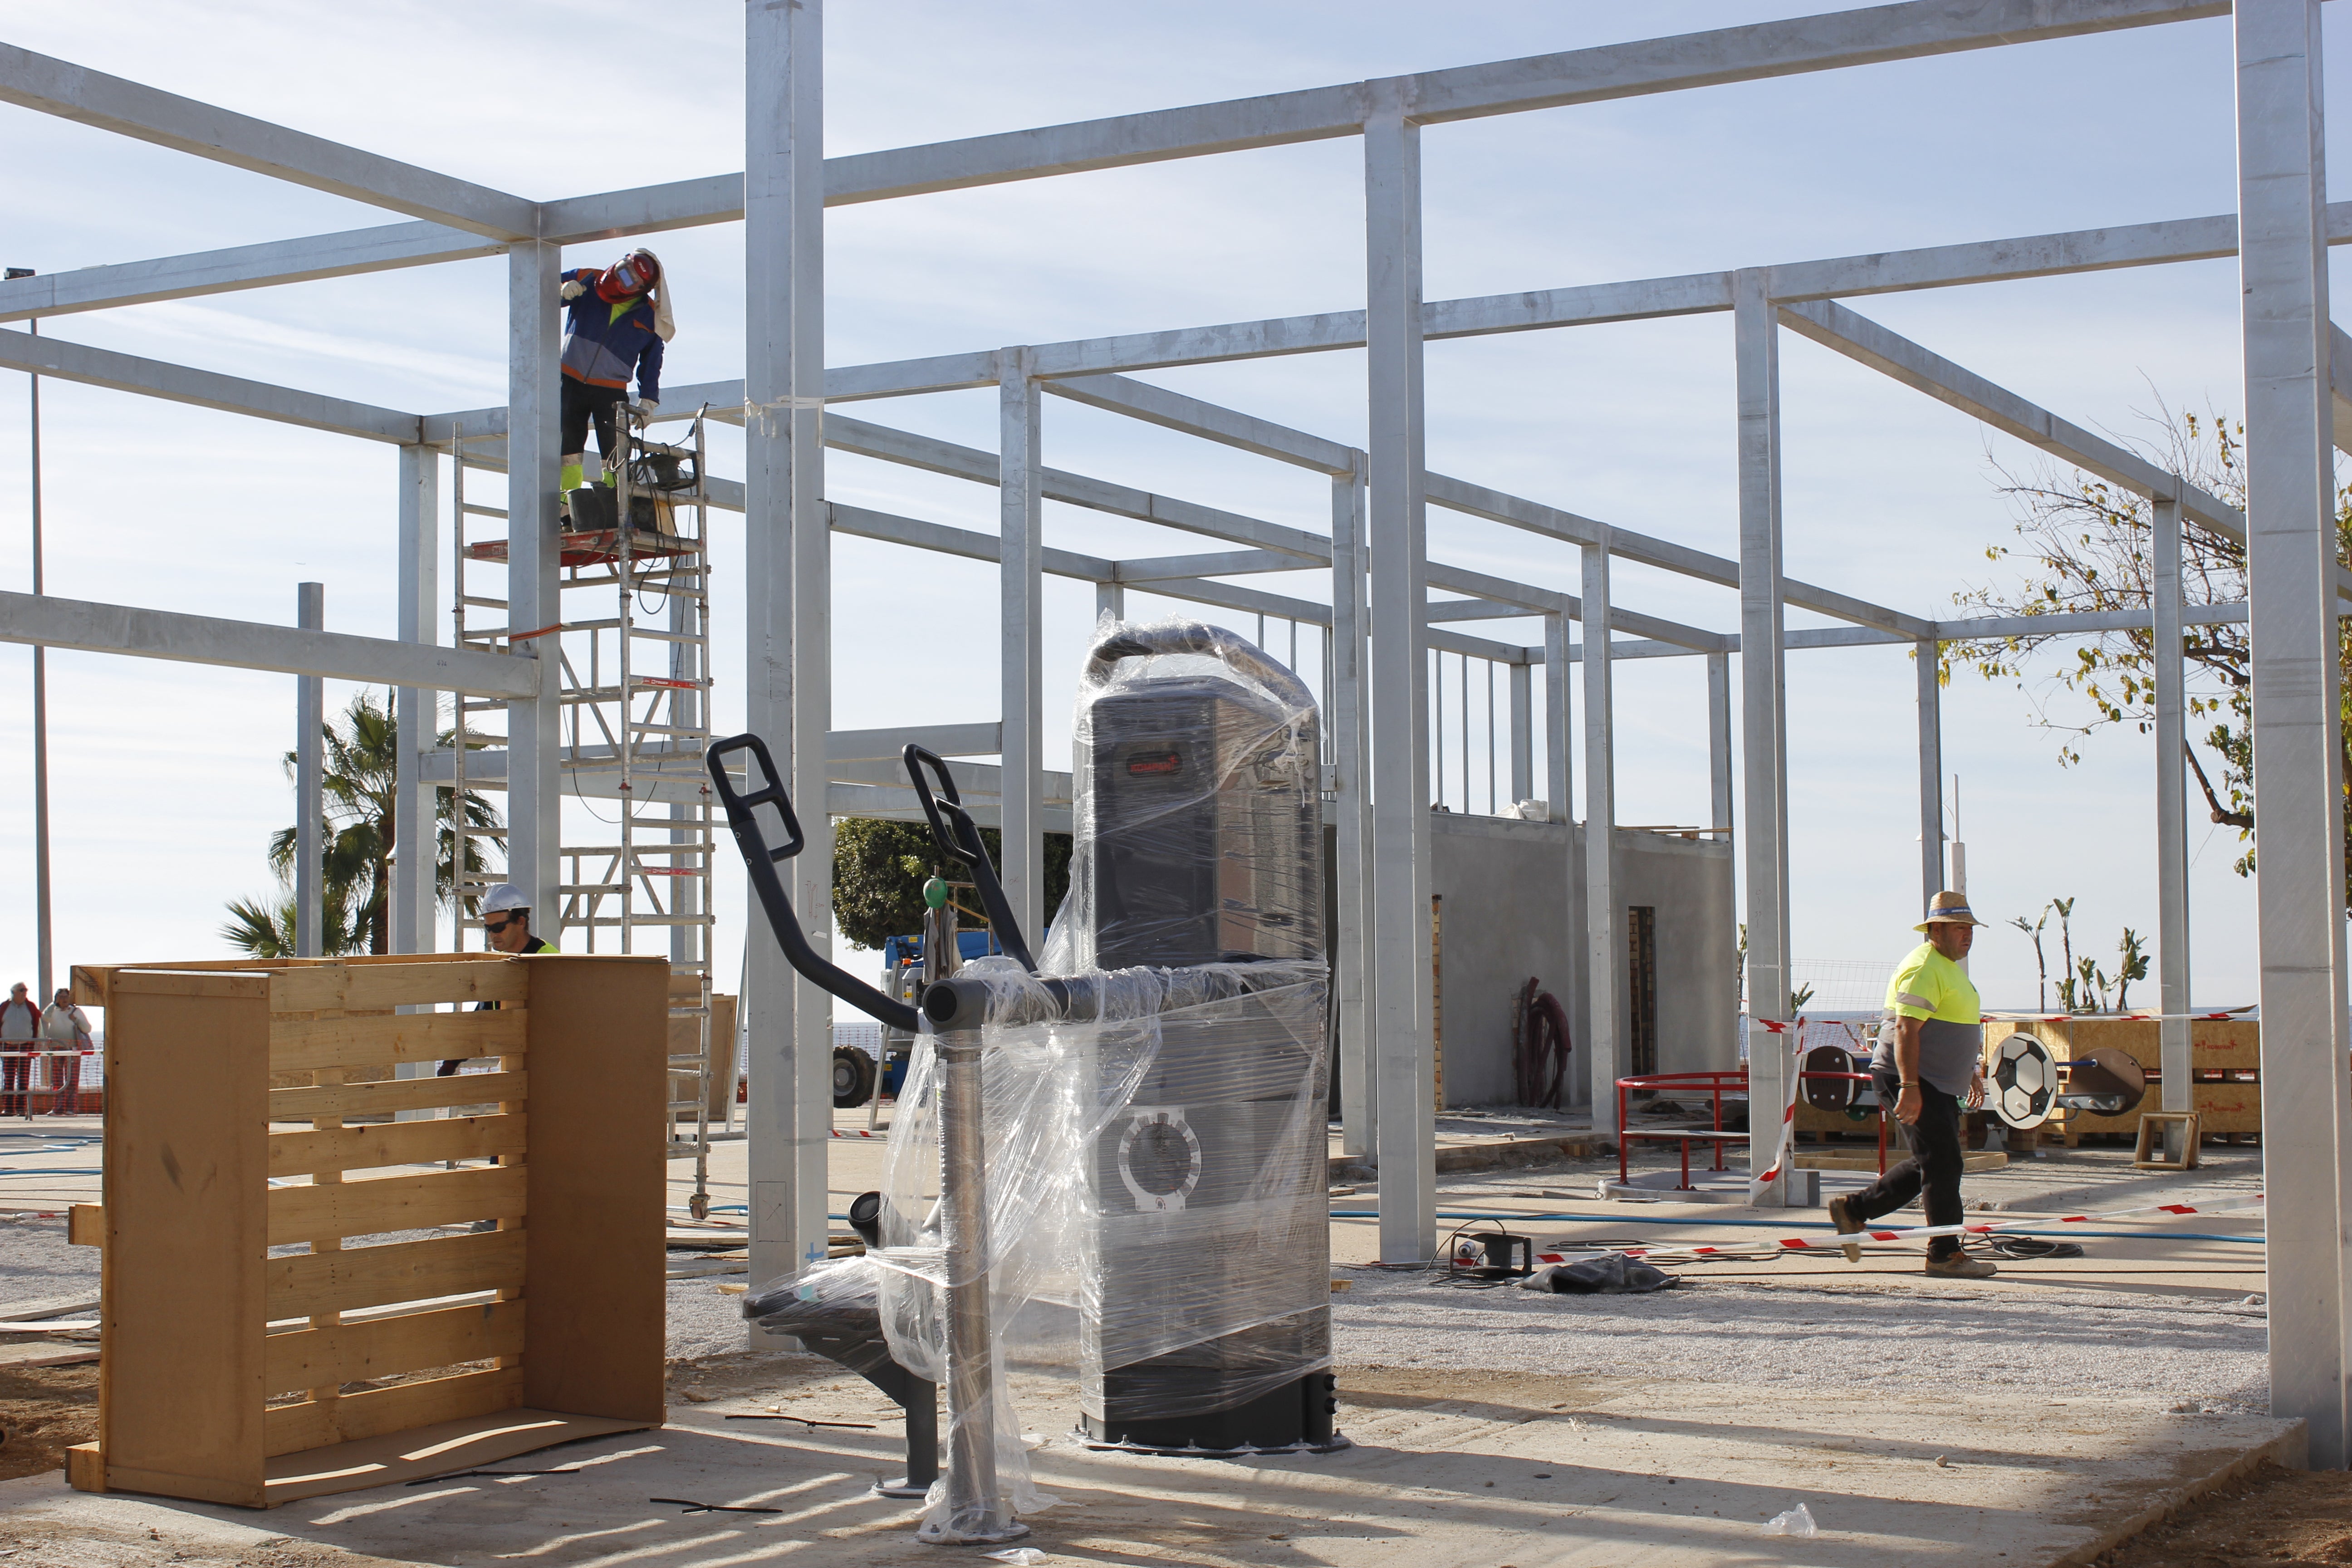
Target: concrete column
x=1604 y=954
x=1351 y=944
x=1719 y=742
x=1931 y=771
x=1558 y=785
x=2171 y=812
x=1401 y=831
x=534 y=793
x=1523 y=733
x=2298 y=801
x=788 y=1107
x=415 y=818
x=1021 y=574
x=309 y=783
x=1110 y=599
x=1763 y=716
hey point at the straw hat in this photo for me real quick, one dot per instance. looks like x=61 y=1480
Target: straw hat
x=1948 y=909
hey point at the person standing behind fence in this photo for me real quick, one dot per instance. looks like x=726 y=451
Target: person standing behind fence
x=20 y=1035
x=1930 y=1058
x=66 y=1027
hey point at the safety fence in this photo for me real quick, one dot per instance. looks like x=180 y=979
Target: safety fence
x=35 y=1080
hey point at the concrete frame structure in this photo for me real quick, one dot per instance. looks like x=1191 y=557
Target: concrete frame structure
x=1380 y=614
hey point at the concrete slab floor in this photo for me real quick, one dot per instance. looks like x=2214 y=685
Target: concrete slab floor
x=1474 y=1468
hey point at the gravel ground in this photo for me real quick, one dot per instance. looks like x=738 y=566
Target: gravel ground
x=35 y=1261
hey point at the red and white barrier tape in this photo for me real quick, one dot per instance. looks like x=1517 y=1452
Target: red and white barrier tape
x=877 y=1136
x=1762 y=1186
x=1913 y=1233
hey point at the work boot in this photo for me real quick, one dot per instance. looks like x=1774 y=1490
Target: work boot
x=1961 y=1266
x=1842 y=1220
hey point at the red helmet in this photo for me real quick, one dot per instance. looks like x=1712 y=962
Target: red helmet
x=634 y=273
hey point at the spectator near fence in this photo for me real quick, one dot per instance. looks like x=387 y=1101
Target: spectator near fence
x=20 y=1033
x=66 y=1027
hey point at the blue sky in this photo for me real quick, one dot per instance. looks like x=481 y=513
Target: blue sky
x=166 y=778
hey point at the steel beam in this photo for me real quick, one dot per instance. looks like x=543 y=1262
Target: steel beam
x=310 y=784
x=204 y=388
x=2171 y=811
x=1022 y=668
x=1763 y=706
x=416 y=821
x=1175 y=411
x=1927 y=674
x=206 y=131
x=2298 y=790
x=887 y=745
x=1353 y=954
x=1605 y=960
x=343 y=255
x=1395 y=524
x=1228 y=563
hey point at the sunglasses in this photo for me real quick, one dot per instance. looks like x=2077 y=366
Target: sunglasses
x=494 y=930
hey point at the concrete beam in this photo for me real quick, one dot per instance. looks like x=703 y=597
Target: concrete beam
x=204 y=388
x=1175 y=411
x=206 y=131
x=239 y=267
x=45 y=621
x=1229 y=563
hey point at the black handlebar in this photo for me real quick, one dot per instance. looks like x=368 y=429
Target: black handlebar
x=966 y=845
x=761 y=861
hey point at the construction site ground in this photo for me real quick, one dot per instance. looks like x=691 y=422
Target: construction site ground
x=2050 y=1414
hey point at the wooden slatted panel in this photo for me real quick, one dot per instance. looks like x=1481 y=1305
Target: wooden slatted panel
x=386 y=1347
x=292 y=1428
x=384 y=1097
x=394 y=1143
x=304 y=1286
x=360 y=985
x=383 y=1204
x=306 y=1044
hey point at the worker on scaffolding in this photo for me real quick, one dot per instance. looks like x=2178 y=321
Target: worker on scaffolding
x=1929 y=1062
x=616 y=321
x=506 y=923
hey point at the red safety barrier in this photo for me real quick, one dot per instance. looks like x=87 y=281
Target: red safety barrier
x=19 y=1095
x=1716 y=1083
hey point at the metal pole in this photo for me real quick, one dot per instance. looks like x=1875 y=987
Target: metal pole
x=2299 y=800
x=309 y=783
x=1762 y=690
x=1401 y=978
x=1021 y=573
x=1557 y=808
x=2171 y=814
x=45 y=949
x=1931 y=770
x=789 y=1110
x=534 y=794
x=1719 y=742
x=1523 y=733
x=415 y=822
x=1352 y=950
x=1604 y=957
x=976 y=1510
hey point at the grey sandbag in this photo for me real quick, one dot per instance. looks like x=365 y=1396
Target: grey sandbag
x=1612 y=1274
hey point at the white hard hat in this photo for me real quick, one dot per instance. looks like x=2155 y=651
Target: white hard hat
x=505 y=895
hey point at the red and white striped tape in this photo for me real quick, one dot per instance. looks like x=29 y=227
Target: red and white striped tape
x=1762 y=1185
x=877 y=1136
x=1911 y=1233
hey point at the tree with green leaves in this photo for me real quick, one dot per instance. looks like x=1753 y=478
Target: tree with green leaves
x=879 y=868
x=2085 y=546
x=362 y=765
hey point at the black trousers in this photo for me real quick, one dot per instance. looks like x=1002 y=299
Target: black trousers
x=581 y=402
x=1933 y=1167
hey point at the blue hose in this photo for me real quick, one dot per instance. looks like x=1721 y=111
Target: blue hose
x=1646 y=1221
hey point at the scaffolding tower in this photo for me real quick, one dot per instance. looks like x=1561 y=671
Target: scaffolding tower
x=635 y=682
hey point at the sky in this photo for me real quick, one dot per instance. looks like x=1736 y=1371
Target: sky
x=167 y=781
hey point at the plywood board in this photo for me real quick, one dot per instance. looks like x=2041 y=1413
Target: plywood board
x=387 y=1347
x=600 y=1081
x=382 y=1204
x=361 y=985
x=186 y=1229
x=396 y=1144
x=306 y=1044
x=386 y=1097
x=312 y=1283
x=315 y=1424
x=436 y=1451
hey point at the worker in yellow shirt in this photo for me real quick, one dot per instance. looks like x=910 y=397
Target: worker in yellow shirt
x=1930 y=1062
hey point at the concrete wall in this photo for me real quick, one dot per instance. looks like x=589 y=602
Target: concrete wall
x=1514 y=908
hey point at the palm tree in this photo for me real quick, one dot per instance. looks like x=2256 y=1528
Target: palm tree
x=361 y=766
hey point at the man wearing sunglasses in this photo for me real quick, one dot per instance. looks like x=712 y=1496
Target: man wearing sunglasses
x=506 y=920
x=616 y=320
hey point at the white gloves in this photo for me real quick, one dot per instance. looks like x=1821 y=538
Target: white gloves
x=575 y=288
x=648 y=407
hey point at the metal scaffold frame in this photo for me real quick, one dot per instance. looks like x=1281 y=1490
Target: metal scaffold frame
x=1389 y=604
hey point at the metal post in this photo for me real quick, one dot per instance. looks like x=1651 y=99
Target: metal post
x=1604 y=957
x=2298 y=801
x=1396 y=514
x=1351 y=942
x=1931 y=770
x=534 y=794
x=1021 y=572
x=1110 y=599
x=416 y=821
x=975 y=1509
x=1719 y=742
x=2171 y=814
x=44 y=933
x=1762 y=691
x=789 y=1111
x=1523 y=733
x=309 y=783
x=1559 y=779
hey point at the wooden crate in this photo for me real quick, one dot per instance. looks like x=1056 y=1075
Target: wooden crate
x=226 y=1350
x=2224 y=1055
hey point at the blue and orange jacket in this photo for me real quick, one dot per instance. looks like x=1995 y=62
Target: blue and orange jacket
x=604 y=343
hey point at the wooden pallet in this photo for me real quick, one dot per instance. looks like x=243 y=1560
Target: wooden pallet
x=227 y=1357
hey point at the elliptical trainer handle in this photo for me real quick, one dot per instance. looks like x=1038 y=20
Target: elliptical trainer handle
x=966 y=845
x=760 y=862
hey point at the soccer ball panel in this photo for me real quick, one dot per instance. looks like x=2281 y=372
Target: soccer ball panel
x=2025 y=1082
